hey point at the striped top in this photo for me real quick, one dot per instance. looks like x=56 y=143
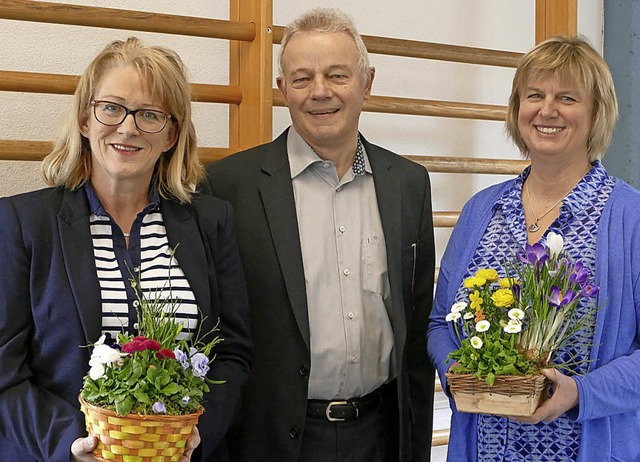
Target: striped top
x=149 y=258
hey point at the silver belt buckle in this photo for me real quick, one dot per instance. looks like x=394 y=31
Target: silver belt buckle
x=328 y=411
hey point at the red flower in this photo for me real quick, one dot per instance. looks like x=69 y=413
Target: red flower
x=133 y=346
x=165 y=353
x=151 y=345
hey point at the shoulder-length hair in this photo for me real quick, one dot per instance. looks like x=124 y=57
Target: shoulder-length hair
x=178 y=169
x=574 y=60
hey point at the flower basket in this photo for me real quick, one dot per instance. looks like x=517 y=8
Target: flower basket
x=136 y=437
x=510 y=395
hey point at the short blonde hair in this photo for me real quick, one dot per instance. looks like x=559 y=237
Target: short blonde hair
x=572 y=59
x=178 y=169
x=327 y=20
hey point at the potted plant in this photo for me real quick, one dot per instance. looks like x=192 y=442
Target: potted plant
x=143 y=394
x=512 y=327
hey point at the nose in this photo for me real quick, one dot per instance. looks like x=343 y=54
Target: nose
x=128 y=125
x=320 y=89
x=548 y=108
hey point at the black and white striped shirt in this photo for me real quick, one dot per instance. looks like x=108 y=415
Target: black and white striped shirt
x=149 y=259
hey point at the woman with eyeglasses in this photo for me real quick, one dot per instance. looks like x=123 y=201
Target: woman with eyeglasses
x=122 y=173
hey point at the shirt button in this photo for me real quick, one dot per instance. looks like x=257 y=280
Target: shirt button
x=350 y=315
x=294 y=433
x=136 y=269
x=326 y=165
x=354 y=359
x=136 y=326
x=342 y=229
x=339 y=188
x=347 y=272
x=304 y=370
x=136 y=303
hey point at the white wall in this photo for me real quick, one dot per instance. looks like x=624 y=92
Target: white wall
x=500 y=24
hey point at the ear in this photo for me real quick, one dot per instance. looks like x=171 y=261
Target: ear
x=172 y=137
x=84 y=126
x=369 y=84
x=283 y=88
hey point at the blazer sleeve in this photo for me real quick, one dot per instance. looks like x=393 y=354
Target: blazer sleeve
x=32 y=417
x=233 y=355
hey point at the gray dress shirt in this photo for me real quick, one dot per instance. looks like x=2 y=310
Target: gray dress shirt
x=345 y=269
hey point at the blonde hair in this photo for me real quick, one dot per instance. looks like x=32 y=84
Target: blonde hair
x=572 y=59
x=178 y=169
x=327 y=20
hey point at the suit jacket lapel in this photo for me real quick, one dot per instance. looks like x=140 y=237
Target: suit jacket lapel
x=389 y=199
x=279 y=205
x=184 y=236
x=79 y=262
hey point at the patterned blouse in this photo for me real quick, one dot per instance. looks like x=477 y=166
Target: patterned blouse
x=499 y=438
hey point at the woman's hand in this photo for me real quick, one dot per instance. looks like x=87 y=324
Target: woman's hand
x=82 y=447
x=565 y=396
x=192 y=443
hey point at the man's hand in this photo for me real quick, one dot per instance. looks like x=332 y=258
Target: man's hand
x=82 y=447
x=565 y=396
x=192 y=443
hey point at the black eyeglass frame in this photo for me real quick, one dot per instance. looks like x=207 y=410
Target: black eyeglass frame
x=128 y=111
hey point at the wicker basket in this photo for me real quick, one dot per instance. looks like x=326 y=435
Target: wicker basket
x=138 y=438
x=510 y=395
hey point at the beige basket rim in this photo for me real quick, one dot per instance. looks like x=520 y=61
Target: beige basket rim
x=165 y=417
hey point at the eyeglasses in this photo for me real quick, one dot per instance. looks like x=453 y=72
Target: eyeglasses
x=147 y=120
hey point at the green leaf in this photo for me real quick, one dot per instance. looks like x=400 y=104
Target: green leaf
x=491 y=379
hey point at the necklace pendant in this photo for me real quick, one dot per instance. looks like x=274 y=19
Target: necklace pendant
x=533 y=227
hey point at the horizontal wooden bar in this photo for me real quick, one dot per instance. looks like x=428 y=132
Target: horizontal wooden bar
x=445 y=219
x=440 y=437
x=439 y=164
x=64 y=84
x=423 y=107
x=77 y=15
x=430 y=50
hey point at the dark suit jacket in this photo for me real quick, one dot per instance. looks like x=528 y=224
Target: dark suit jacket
x=257 y=182
x=50 y=308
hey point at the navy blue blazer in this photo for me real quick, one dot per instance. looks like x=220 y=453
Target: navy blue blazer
x=50 y=309
x=257 y=182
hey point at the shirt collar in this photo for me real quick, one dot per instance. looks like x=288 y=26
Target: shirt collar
x=98 y=209
x=301 y=155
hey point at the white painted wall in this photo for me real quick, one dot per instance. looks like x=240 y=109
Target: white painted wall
x=500 y=24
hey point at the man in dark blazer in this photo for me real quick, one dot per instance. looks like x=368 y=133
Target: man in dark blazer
x=336 y=239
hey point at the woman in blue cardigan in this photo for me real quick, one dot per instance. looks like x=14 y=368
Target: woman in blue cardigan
x=122 y=172
x=561 y=115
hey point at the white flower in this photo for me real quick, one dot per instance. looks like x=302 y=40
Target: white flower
x=555 y=244
x=452 y=317
x=104 y=354
x=476 y=342
x=515 y=313
x=458 y=307
x=468 y=315
x=96 y=371
x=512 y=328
x=483 y=326
x=513 y=322
x=101 y=340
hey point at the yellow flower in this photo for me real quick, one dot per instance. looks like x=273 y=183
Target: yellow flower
x=490 y=275
x=502 y=297
x=474 y=282
x=476 y=300
x=506 y=283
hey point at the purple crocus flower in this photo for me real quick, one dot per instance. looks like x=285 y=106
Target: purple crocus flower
x=536 y=254
x=557 y=299
x=158 y=408
x=579 y=275
x=590 y=290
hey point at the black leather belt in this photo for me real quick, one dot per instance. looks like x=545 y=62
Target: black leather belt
x=341 y=410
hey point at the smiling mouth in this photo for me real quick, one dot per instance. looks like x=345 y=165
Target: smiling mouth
x=122 y=147
x=328 y=111
x=549 y=130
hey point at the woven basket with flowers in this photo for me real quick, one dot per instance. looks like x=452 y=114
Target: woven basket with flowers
x=143 y=394
x=511 y=328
